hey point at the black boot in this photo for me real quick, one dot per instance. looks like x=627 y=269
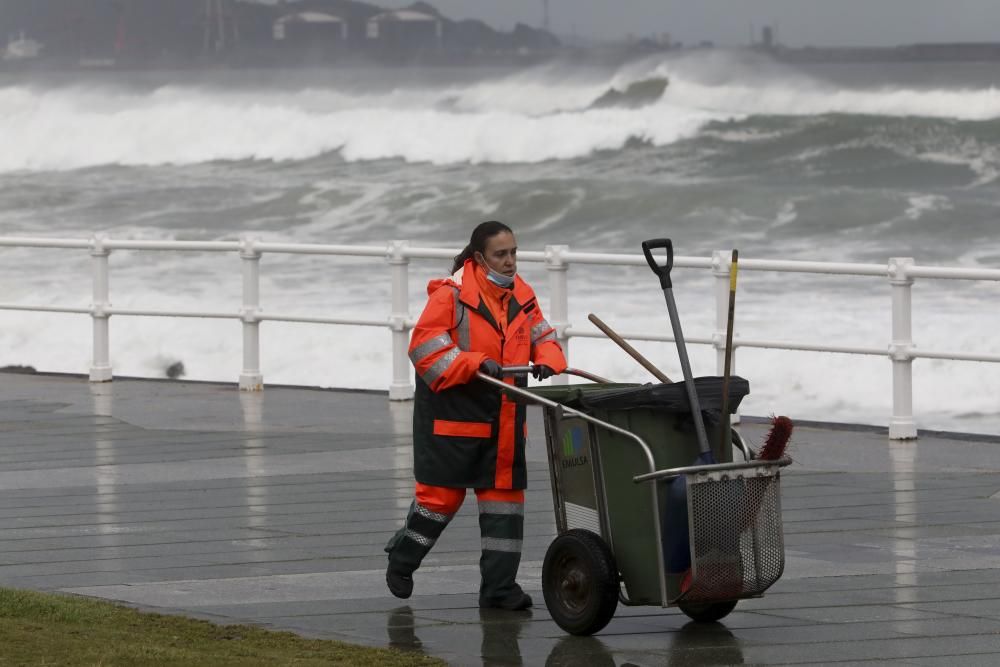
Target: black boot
x=409 y=545
x=400 y=585
x=515 y=600
x=501 y=526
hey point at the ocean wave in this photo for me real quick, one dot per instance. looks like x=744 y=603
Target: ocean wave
x=534 y=116
x=780 y=99
x=820 y=146
x=67 y=129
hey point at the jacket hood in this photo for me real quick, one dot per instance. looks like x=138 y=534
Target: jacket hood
x=455 y=280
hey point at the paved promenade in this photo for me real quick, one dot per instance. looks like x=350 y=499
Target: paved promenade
x=273 y=509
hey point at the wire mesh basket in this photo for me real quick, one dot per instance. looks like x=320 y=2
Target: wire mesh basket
x=737 y=544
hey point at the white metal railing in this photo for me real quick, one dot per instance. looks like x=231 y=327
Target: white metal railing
x=900 y=272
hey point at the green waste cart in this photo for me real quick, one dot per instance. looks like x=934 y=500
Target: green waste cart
x=613 y=450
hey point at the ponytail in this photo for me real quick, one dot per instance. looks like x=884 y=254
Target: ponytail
x=468 y=252
x=480 y=236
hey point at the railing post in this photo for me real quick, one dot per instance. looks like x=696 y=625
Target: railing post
x=558 y=315
x=100 y=365
x=251 y=378
x=401 y=389
x=721 y=263
x=902 y=426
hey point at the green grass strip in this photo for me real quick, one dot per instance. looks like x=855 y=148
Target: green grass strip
x=45 y=629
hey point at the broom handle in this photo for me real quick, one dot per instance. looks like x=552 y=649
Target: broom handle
x=623 y=344
x=726 y=426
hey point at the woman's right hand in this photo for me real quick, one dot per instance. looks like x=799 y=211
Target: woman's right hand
x=491 y=368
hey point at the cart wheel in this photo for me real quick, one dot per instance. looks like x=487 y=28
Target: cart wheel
x=580 y=582
x=707 y=612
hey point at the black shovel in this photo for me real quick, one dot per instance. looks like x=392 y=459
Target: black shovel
x=677 y=545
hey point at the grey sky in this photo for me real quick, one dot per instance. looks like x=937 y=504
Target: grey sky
x=800 y=22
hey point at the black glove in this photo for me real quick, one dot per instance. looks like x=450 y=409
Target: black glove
x=491 y=368
x=542 y=372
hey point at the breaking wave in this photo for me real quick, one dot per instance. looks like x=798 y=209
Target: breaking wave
x=543 y=114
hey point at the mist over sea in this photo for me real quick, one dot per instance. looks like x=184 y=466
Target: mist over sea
x=856 y=163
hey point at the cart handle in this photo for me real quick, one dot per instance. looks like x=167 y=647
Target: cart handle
x=570 y=411
x=514 y=370
x=673 y=473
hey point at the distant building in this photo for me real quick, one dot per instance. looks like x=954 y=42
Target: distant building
x=310 y=27
x=405 y=31
x=251 y=33
x=310 y=36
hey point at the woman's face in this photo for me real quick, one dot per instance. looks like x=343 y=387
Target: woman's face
x=500 y=254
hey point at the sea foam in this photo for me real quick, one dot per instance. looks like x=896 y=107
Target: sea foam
x=532 y=116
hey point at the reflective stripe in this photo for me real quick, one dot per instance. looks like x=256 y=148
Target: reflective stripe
x=547 y=337
x=500 y=544
x=430 y=346
x=440 y=366
x=494 y=507
x=420 y=539
x=463 y=429
x=538 y=331
x=432 y=515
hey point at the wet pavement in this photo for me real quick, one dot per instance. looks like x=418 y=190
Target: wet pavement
x=273 y=508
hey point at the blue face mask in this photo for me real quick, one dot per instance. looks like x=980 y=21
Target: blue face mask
x=499 y=279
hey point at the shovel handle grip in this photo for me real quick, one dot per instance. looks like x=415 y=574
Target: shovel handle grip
x=661 y=270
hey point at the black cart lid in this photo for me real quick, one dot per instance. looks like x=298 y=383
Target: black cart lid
x=670 y=397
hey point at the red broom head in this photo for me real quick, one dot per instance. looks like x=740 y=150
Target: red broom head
x=777 y=439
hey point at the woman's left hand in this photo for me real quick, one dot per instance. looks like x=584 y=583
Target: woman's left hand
x=542 y=372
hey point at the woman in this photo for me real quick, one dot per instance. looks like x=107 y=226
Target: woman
x=466 y=434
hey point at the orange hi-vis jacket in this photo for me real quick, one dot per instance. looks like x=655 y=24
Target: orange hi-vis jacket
x=465 y=433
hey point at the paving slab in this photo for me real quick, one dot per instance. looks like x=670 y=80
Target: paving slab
x=272 y=508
